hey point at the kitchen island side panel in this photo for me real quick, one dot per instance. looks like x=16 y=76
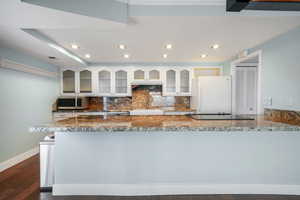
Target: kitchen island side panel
x=206 y=158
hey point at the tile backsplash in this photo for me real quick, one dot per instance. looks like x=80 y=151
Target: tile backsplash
x=283 y=116
x=143 y=97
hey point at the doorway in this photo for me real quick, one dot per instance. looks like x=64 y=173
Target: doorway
x=246 y=90
x=246 y=85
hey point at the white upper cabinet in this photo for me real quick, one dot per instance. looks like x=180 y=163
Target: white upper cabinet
x=105 y=83
x=170 y=83
x=113 y=82
x=177 y=82
x=117 y=81
x=146 y=76
x=85 y=82
x=184 y=81
x=122 y=86
x=139 y=75
x=68 y=82
x=154 y=75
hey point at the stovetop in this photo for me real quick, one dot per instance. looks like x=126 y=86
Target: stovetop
x=221 y=117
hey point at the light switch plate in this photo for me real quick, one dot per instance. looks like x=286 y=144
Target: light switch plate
x=268 y=101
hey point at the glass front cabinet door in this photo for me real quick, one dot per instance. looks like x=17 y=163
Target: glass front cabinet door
x=177 y=82
x=139 y=75
x=68 y=82
x=154 y=75
x=85 y=82
x=185 y=83
x=104 y=82
x=122 y=86
x=169 y=88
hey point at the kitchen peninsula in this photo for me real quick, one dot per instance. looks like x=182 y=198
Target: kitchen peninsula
x=160 y=155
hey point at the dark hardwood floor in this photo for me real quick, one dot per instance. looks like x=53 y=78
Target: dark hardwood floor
x=22 y=182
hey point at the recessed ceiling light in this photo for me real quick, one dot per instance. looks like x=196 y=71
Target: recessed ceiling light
x=203 y=56
x=126 y=56
x=75 y=46
x=87 y=55
x=169 y=46
x=215 y=46
x=165 y=55
x=122 y=46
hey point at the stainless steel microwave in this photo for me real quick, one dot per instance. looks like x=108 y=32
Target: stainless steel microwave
x=72 y=103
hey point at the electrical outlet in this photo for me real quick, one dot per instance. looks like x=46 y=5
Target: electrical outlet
x=268 y=101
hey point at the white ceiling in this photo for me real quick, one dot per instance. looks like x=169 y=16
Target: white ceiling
x=15 y=15
x=145 y=37
x=190 y=36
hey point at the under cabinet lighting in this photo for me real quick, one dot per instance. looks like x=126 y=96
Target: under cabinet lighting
x=169 y=46
x=215 y=46
x=75 y=46
x=122 y=46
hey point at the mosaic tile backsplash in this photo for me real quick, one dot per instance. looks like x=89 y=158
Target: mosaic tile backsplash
x=143 y=97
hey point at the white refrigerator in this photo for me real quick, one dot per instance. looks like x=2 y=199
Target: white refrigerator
x=211 y=95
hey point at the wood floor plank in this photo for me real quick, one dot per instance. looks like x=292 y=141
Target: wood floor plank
x=21 y=182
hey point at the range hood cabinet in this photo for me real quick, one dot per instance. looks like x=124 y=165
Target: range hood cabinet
x=146 y=82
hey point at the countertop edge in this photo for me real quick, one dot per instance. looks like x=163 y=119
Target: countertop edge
x=165 y=129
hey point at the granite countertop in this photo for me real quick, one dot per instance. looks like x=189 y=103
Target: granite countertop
x=159 y=123
x=99 y=112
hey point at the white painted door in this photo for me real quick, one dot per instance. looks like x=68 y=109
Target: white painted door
x=246 y=90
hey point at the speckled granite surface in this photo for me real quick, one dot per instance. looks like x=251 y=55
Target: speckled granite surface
x=159 y=123
x=283 y=116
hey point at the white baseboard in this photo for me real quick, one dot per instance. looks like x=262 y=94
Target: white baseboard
x=171 y=189
x=19 y=158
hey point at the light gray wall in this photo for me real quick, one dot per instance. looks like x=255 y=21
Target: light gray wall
x=280 y=70
x=226 y=68
x=26 y=100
